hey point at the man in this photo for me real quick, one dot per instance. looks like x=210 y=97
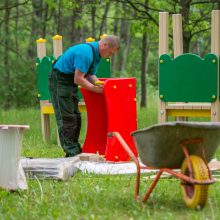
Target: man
x=76 y=66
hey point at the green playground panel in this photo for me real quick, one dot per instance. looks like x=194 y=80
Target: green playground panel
x=104 y=70
x=188 y=78
x=44 y=66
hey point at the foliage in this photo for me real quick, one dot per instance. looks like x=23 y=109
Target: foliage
x=24 y=21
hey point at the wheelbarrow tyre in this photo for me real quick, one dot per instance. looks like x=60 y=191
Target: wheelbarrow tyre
x=195 y=196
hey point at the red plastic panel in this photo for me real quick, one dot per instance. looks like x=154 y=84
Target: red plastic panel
x=96 y=136
x=120 y=96
x=114 y=110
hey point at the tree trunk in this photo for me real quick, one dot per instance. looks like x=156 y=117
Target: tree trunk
x=115 y=30
x=36 y=31
x=44 y=22
x=144 y=56
x=16 y=26
x=58 y=18
x=103 y=23
x=125 y=41
x=93 y=13
x=6 y=74
x=185 y=10
x=76 y=31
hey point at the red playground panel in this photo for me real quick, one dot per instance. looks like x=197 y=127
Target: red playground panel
x=113 y=110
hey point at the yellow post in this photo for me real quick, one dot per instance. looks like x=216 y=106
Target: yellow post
x=103 y=35
x=90 y=39
x=45 y=119
x=57 y=45
x=41 y=48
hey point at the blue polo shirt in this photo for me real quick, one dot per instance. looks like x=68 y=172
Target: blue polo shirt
x=79 y=57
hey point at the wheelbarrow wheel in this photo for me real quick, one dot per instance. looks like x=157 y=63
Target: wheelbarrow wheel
x=195 y=196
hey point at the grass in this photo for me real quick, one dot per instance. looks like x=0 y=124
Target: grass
x=90 y=196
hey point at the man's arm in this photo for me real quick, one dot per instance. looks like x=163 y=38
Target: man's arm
x=80 y=80
x=92 y=78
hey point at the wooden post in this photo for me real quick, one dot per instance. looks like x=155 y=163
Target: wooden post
x=57 y=45
x=90 y=39
x=215 y=48
x=57 y=51
x=163 y=49
x=178 y=44
x=45 y=118
x=41 y=48
x=177 y=35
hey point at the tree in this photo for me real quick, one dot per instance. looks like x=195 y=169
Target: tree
x=195 y=14
x=196 y=21
x=135 y=21
x=103 y=22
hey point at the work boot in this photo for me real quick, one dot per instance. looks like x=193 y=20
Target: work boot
x=78 y=151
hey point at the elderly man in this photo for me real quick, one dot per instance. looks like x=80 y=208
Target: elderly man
x=76 y=66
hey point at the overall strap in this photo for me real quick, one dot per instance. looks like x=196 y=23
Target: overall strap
x=93 y=52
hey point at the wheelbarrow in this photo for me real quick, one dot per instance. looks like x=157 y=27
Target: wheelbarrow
x=182 y=149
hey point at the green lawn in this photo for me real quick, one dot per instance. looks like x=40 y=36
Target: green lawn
x=87 y=196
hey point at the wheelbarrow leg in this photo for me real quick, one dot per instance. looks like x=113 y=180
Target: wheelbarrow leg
x=132 y=156
x=153 y=184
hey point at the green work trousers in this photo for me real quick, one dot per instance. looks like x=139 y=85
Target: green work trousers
x=64 y=98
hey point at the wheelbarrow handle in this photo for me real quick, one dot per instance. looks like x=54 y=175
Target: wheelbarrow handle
x=124 y=145
x=132 y=156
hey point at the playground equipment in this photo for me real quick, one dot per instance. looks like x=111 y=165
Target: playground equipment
x=115 y=109
x=188 y=84
x=10 y=152
x=44 y=66
x=173 y=145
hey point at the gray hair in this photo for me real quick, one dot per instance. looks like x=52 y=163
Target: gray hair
x=111 y=40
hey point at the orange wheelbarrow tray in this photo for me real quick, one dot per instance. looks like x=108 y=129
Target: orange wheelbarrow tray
x=188 y=146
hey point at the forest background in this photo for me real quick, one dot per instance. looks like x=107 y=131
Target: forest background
x=22 y=22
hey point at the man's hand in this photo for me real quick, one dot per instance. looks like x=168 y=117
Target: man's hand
x=98 y=89
x=99 y=83
x=80 y=80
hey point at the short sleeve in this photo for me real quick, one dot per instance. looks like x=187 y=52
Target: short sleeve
x=82 y=62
